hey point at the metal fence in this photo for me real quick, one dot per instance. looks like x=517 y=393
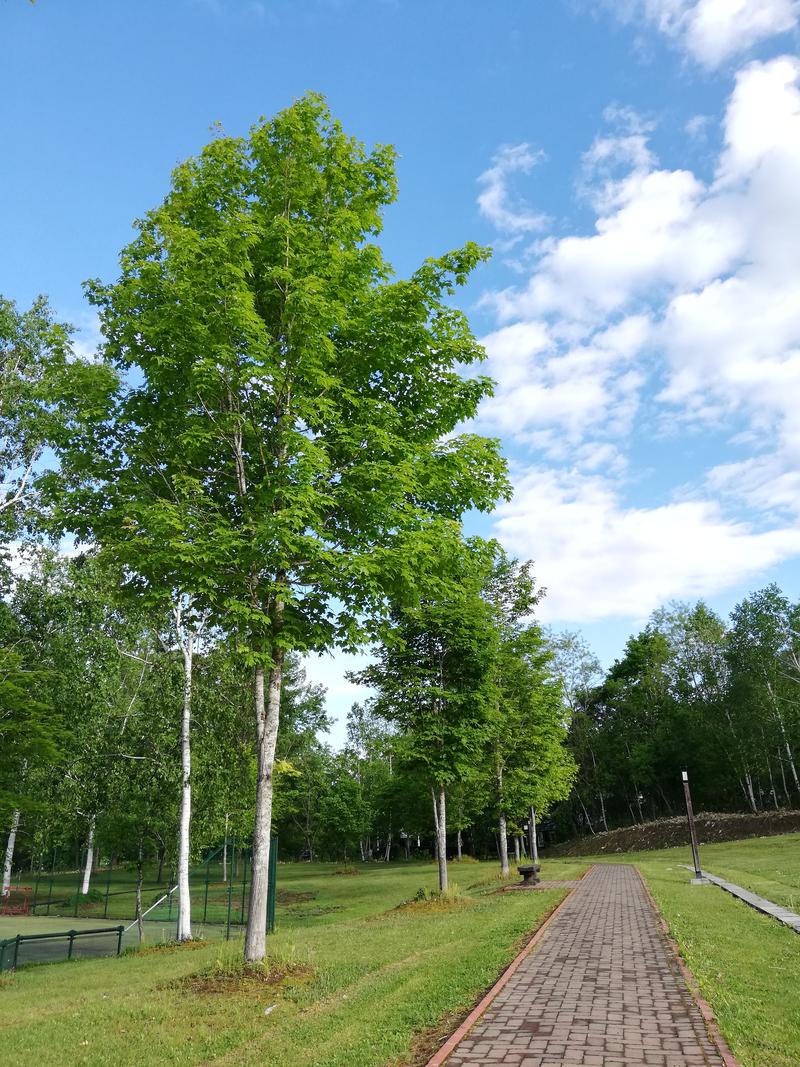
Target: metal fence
x=51 y=948
x=220 y=891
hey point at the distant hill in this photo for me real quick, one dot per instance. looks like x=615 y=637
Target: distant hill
x=667 y=833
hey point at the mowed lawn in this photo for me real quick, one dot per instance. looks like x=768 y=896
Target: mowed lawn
x=363 y=978
x=747 y=965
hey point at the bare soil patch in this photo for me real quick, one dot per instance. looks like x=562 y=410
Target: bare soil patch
x=669 y=833
x=245 y=980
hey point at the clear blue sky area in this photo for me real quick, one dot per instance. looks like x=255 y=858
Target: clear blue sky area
x=635 y=166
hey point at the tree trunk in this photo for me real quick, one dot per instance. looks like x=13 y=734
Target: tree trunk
x=502 y=841
x=267 y=715
x=602 y=810
x=458 y=845
x=184 y=931
x=783 y=780
x=534 y=839
x=750 y=793
x=586 y=813
x=161 y=856
x=516 y=849
x=10 y=844
x=441 y=838
x=87 y=870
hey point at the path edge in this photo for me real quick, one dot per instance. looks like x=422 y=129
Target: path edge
x=450 y=1045
x=709 y=1018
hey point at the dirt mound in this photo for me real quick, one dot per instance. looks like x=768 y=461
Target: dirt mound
x=667 y=833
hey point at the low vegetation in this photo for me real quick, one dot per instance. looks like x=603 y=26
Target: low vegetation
x=350 y=991
x=747 y=965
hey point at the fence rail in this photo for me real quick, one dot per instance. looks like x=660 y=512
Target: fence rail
x=64 y=945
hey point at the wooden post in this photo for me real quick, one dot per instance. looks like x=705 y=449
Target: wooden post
x=692 y=831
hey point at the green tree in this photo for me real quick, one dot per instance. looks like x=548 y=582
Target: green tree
x=32 y=351
x=275 y=438
x=433 y=676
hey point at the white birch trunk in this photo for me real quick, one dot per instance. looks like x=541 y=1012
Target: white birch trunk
x=9 y=858
x=458 y=845
x=441 y=836
x=184 y=930
x=502 y=843
x=267 y=715
x=516 y=848
x=87 y=870
x=534 y=840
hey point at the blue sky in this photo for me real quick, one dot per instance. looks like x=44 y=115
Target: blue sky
x=635 y=165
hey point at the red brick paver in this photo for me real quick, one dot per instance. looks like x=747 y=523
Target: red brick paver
x=602 y=989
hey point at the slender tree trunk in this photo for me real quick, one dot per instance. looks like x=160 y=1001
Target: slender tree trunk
x=534 y=839
x=586 y=813
x=783 y=780
x=9 y=858
x=87 y=870
x=139 y=922
x=502 y=839
x=161 y=855
x=458 y=845
x=441 y=838
x=638 y=802
x=602 y=810
x=225 y=852
x=516 y=848
x=267 y=716
x=750 y=793
x=184 y=931
x=502 y=834
x=435 y=824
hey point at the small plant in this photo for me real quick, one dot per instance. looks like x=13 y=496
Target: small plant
x=346 y=870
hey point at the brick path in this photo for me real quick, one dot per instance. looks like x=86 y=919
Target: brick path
x=601 y=989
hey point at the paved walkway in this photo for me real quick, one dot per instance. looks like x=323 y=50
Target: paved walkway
x=601 y=989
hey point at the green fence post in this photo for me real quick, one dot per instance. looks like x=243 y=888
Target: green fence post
x=16 y=951
x=108 y=885
x=52 y=880
x=205 y=898
x=36 y=886
x=120 y=932
x=244 y=885
x=272 y=878
x=71 y=943
x=78 y=886
x=230 y=892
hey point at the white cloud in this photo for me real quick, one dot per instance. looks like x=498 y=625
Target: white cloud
x=681 y=304
x=495 y=201
x=713 y=31
x=599 y=558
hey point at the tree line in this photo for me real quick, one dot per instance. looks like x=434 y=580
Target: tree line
x=264 y=459
x=691 y=692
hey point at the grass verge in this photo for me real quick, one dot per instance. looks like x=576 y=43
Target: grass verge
x=747 y=965
x=360 y=981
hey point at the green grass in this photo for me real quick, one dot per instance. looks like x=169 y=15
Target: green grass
x=379 y=976
x=747 y=965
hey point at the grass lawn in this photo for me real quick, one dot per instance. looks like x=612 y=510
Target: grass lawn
x=747 y=965
x=363 y=978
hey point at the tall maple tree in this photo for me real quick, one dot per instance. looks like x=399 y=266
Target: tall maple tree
x=271 y=428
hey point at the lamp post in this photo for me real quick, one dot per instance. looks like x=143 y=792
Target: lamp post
x=698 y=873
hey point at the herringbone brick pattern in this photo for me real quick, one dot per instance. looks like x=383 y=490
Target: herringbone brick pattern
x=602 y=989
